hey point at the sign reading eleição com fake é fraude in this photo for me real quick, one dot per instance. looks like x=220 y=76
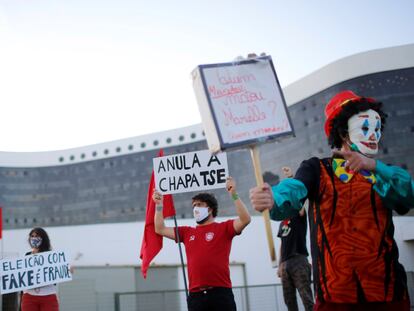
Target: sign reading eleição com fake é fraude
x=37 y=270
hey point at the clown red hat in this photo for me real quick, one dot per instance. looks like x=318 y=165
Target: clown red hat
x=336 y=104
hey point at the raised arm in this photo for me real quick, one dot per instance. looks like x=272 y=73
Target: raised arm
x=160 y=227
x=243 y=218
x=286 y=199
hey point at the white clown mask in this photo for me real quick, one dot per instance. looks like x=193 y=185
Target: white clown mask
x=364 y=131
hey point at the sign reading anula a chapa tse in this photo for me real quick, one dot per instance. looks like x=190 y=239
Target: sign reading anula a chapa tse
x=192 y=171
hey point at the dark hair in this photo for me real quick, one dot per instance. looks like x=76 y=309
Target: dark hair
x=45 y=245
x=340 y=123
x=209 y=199
x=271 y=178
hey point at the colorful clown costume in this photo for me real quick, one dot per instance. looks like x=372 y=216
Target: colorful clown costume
x=355 y=258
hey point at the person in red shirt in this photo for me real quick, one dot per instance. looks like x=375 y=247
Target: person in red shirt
x=208 y=248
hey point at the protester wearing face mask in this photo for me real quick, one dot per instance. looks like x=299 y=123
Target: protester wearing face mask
x=207 y=246
x=352 y=198
x=42 y=298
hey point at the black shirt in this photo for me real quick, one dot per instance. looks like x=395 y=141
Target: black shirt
x=292 y=232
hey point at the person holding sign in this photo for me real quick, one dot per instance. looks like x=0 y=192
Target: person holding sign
x=208 y=248
x=352 y=197
x=42 y=298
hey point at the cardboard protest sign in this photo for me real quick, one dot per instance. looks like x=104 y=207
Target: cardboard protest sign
x=241 y=103
x=192 y=171
x=33 y=271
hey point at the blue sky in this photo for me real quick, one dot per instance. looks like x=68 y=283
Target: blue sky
x=74 y=73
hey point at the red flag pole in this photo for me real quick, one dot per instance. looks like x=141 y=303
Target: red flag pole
x=1 y=232
x=1 y=222
x=181 y=256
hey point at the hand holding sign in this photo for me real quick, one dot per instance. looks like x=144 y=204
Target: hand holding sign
x=157 y=197
x=262 y=198
x=231 y=185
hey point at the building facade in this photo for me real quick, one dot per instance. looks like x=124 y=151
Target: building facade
x=108 y=183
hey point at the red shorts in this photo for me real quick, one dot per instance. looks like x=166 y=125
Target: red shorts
x=39 y=303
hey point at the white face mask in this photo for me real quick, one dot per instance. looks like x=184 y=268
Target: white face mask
x=364 y=131
x=200 y=214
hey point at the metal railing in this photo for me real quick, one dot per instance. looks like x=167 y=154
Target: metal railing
x=267 y=297
x=248 y=298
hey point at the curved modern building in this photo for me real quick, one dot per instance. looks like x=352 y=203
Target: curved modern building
x=107 y=183
x=97 y=189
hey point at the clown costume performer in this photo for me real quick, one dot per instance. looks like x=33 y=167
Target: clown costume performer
x=352 y=199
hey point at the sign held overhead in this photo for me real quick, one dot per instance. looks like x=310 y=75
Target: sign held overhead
x=192 y=171
x=241 y=103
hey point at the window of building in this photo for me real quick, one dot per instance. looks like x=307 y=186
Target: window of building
x=83 y=156
x=72 y=157
x=143 y=145
x=118 y=149
x=130 y=147
x=193 y=135
x=155 y=142
x=94 y=154
x=168 y=140
x=106 y=151
x=61 y=159
x=181 y=138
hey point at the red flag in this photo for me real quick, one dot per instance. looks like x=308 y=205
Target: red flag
x=152 y=242
x=1 y=223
